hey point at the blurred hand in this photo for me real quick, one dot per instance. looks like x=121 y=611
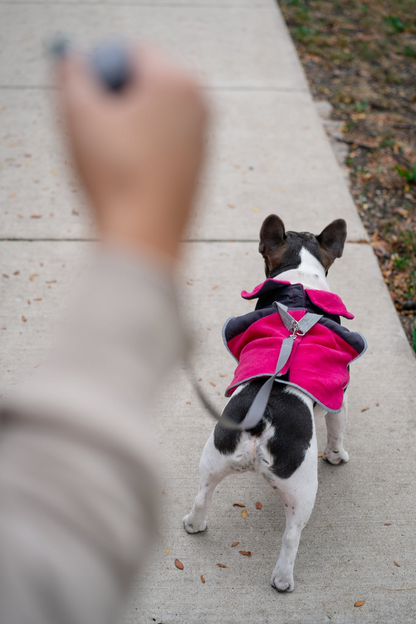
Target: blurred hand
x=139 y=152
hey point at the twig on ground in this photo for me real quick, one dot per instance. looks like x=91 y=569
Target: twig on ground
x=351 y=142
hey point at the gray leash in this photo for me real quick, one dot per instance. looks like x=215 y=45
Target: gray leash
x=258 y=407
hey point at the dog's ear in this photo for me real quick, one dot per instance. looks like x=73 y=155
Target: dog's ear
x=272 y=237
x=332 y=240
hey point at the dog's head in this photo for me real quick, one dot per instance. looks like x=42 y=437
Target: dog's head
x=283 y=251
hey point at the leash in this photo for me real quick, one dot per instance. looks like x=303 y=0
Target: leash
x=258 y=407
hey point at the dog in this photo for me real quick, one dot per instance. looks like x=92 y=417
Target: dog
x=282 y=447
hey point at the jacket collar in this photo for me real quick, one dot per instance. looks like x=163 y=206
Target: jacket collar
x=273 y=289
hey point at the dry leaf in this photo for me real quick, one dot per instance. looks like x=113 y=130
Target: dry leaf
x=244 y=513
x=51 y=282
x=256 y=210
x=365 y=409
x=167 y=551
x=16 y=273
x=221 y=565
x=189 y=283
x=396 y=564
x=247 y=553
x=24 y=319
x=360 y=603
x=12 y=195
x=259 y=505
x=188 y=402
x=387 y=524
x=74 y=212
x=35 y=216
x=226 y=375
x=238 y=505
x=230 y=205
x=235 y=544
x=202 y=579
x=5 y=275
x=212 y=383
x=38 y=299
x=214 y=287
x=178 y=564
x=200 y=379
x=320 y=454
x=53 y=172
x=164 y=491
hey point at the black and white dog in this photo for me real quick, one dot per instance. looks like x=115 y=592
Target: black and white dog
x=283 y=446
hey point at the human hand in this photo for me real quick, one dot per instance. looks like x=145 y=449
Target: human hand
x=138 y=152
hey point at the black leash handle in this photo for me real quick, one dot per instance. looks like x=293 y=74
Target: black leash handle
x=110 y=62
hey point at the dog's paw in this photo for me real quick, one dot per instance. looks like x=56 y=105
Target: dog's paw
x=282 y=580
x=335 y=458
x=193 y=527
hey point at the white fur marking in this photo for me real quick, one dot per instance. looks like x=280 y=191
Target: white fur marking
x=310 y=264
x=310 y=273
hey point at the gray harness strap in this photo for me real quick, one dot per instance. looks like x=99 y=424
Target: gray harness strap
x=258 y=407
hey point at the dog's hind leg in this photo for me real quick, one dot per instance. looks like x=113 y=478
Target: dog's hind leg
x=334 y=452
x=297 y=494
x=213 y=467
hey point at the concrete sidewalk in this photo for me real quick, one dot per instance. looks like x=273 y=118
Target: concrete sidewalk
x=268 y=153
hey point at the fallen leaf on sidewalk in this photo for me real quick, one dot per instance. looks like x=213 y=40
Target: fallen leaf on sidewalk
x=396 y=564
x=221 y=565
x=230 y=205
x=213 y=384
x=178 y=564
x=35 y=216
x=247 y=553
x=235 y=544
x=365 y=409
x=320 y=454
x=202 y=579
x=256 y=210
x=238 y=505
x=259 y=505
x=16 y=272
x=387 y=524
x=24 y=319
x=360 y=603
x=244 y=513
x=226 y=375
x=167 y=551
x=214 y=287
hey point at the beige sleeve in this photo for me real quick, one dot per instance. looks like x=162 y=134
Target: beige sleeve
x=76 y=476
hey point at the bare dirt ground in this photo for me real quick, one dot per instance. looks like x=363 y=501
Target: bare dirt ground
x=361 y=57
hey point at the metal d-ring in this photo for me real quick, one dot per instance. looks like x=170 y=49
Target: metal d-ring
x=296 y=330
